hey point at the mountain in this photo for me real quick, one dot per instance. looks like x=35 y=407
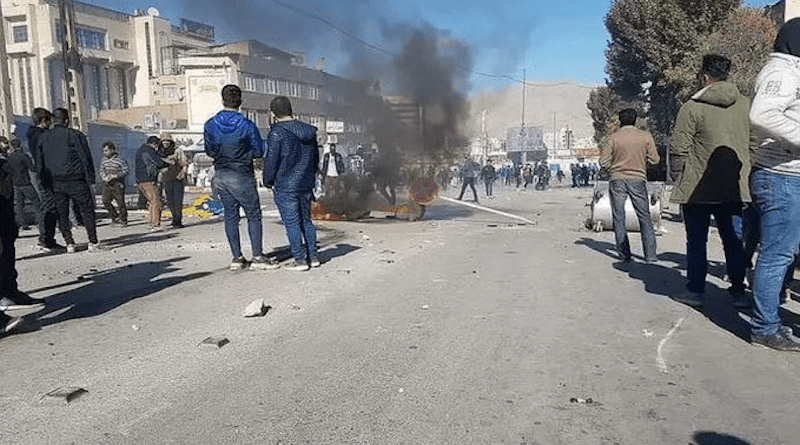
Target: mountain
x=564 y=101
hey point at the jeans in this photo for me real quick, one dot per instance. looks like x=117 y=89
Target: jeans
x=697 y=219
x=236 y=190
x=81 y=194
x=174 y=192
x=777 y=200
x=489 y=185
x=295 y=210
x=21 y=194
x=150 y=191
x=471 y=183
x=618 y=192
x=115 y=191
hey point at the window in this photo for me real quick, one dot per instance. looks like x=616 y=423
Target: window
x=122 y=44
x=20 y=33
x=169 y=91
x=92 y=39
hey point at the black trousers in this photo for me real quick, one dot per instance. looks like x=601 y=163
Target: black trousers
x=48 y=218
x=80 y=192
x=471 y=183
x=115 y=191
x=8 y=235
x=174 y=192
x=21 y=194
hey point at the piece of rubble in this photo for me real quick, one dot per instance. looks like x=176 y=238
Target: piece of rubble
x=62 y=396
x=214 y=342
x=256 y=309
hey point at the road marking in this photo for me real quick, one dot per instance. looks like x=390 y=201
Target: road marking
x=662 y=364
x=486 y=209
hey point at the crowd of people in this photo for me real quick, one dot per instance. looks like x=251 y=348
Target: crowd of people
x=64 y=175
x=736 y=161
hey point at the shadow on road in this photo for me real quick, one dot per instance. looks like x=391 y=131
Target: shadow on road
x=709 y=438
x=108 y=289
x=670 y=282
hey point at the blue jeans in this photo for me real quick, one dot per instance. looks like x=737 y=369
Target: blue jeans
x=236 y=190
x=777 y=200
x=295 y=210
x=697 y=219
x=618 y=191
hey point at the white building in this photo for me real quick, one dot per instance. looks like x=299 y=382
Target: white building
x=124 y=57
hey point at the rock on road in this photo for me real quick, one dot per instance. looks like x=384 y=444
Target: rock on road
x=462 y=328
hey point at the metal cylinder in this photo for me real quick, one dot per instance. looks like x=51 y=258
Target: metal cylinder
x=601 y=218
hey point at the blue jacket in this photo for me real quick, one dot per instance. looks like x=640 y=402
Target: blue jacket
x=148 y=163
x=292 y=158
x=233 y=141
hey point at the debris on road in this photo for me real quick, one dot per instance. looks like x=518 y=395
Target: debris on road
x=214 y=342
x=648 y=333
x=256 y=309
x=135 y=327
x=294 y=307
x=62 y=396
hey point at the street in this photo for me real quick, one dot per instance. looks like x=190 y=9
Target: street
x=463 y=328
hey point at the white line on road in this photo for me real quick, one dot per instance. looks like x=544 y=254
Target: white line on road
x=662 y=364
x=487 y=209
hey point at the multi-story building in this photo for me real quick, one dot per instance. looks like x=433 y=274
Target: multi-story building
x=127 y=60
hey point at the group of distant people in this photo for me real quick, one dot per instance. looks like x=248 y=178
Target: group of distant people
x=738 y=162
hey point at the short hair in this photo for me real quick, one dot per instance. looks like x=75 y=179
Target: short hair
x=716 y=67
x=110 y=145
x=231 y=96
x=61 y=115
x=628 y=116
x=332 y=146
x=153 y=140
x=40 y=115
x=281 y=106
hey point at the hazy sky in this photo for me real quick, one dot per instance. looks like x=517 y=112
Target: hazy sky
x=552 y=40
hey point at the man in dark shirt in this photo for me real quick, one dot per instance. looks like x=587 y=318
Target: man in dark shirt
x=21 y=165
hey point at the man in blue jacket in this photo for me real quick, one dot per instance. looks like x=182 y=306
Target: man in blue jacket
x=290 y=166
x=233 y=141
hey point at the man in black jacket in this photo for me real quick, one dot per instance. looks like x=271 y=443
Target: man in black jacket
x=21 y=165
x=148 y=164
x=331 y=171
x=48 y=217
x=65 y=166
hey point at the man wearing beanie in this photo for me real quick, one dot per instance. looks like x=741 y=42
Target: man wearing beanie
x=710 y=167
x=775 y=183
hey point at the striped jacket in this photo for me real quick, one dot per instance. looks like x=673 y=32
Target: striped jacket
x=113 y=169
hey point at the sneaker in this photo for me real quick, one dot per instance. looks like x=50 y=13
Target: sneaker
x=238 y=263
x=12 y=325
x=781 y=340
x=50 y=247
x=97 y=247
x=315 y=263
x=689 y=298
x=297 y=265
x=20 y=301
x=263 y=263
x=70 y=248
x=177 y=225
x=156 y=228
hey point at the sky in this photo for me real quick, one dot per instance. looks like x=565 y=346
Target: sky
x=543 y=40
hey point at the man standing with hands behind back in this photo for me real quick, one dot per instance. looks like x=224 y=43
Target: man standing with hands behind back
x=625 y=158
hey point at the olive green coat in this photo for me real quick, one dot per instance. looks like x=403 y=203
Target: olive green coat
x=710 y=157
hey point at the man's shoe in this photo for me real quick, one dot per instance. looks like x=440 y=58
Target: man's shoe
x=263 y=263
x=97 y=247
x=315 y=263
x=13 y=325
x=177 y=225
x=238 y=263
x=297 y=265
x=781 y=340
x=71 y=248
x=50 y=247
x=689 y=298
x=20 y=301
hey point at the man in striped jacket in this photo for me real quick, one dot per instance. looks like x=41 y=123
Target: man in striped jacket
x=113 y=171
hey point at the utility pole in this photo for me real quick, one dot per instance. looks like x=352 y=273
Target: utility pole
x=73 y=65
x=484 y=136
x=522 y=126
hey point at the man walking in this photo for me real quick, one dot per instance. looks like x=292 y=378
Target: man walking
x=21 y=166
x=148 y=165
x=775 y=184
x=469 y=171
x=66 y=169
x=710 y=166
x=113 y=171
x=625 y=158
x=233 y=141
x=332 y=171
x=290 y=166
x=47 y=216
x=488 y=174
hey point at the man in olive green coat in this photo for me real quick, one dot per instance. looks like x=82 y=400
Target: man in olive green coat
x=710 y=167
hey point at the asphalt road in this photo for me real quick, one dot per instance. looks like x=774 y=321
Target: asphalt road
x=466 y=327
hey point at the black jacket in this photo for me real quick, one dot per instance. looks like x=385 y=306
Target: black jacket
x=21 y=165
x=148 y=163
x=339 y=163
x=63 y=154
